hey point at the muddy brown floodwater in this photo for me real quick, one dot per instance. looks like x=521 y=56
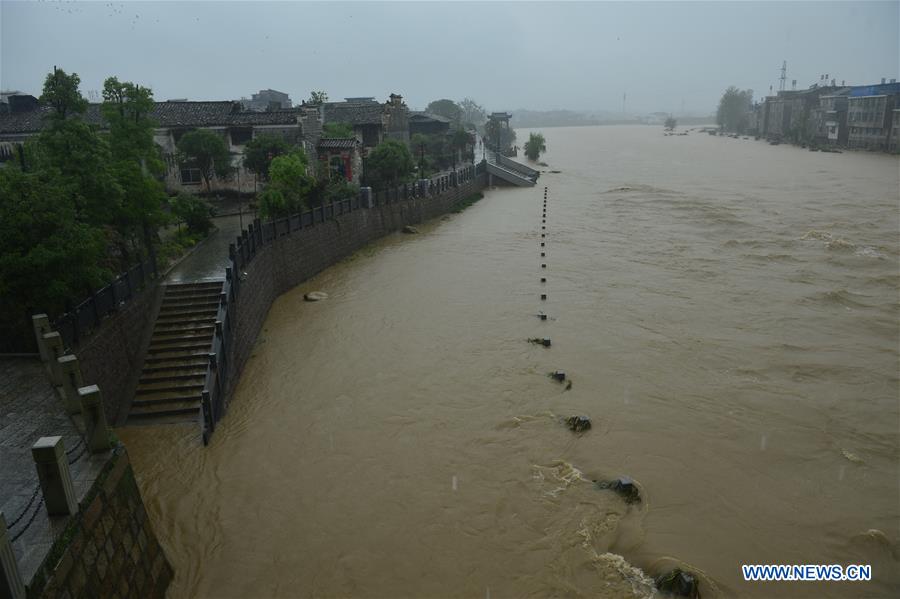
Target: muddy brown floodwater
x=727 y=312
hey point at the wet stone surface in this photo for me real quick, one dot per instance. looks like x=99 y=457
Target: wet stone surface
x=29 y=410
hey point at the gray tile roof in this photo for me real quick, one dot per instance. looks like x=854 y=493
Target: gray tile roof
x=338 y=143
x=424 y=116
x=166 y=115
x=355 y=113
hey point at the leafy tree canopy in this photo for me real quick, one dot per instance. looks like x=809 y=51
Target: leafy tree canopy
x=317 y=97
x=535 y=146
x=61 y=93
x=260 y=151
x=337 y=130
x=671 y=123
x=289 y=186
x=446 y=108
x=734 y=109
x=207 y=151
x=390 y=163
x=472 y=113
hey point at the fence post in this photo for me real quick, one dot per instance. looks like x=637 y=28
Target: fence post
x=365 y=197
x=52 y=465
x=54 y=345
x=71 y=382
x=11 y=584
x=95 y=428
x=41 y=324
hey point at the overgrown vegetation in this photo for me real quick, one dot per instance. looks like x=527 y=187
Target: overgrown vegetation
x=82 y=205
x=261 y=150
x=671 y=123
x=535 y=146
x=390 y=164
x=734 y=109
x=337 y=130
x=289 y=185
x=206 y=151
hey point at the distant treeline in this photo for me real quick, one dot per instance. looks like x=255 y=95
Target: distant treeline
x=527 y=119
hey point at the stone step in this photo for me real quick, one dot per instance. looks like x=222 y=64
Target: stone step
x=163 y=365
x=206 y=297
x=187 y=406
x=189 y=327
x=159 y=339
x=169 y=307
x=185 y=387
x=167 y=353
x=187 y=313
x=171 y=375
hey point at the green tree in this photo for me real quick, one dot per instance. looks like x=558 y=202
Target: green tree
x=136 y=162
x=206 y=151
x=446 y=108
x=194 y=212
x=317 y=97
x=260 y=151
x=734 y=109
x=337 y=130
x=535 y=146
x=459 y=140
x=671 y=123
x=71 y=147
x=472 y=113
x=289 y=186
x=47 y=255
x=495 y=131
x=62 y=95
x=389 y=164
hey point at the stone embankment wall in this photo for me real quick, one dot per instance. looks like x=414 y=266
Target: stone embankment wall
x=108 y=549
x=112 y=356
x=291 y=259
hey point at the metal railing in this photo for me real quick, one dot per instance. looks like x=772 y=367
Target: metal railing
x=79 y=321
x=256 y=236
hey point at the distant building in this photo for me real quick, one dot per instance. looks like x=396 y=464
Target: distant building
x=372 y=122
x=894 y=144
x=340 y=158
x=833 y=130
x=267 y=100
x=869 y=115
x=297 y=126
x=427 y=123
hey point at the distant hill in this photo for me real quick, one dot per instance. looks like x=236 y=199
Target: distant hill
x=529 y=119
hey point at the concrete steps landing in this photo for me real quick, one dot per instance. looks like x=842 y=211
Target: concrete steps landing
x=174 y=369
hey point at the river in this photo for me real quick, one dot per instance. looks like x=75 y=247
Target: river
x=727 y=312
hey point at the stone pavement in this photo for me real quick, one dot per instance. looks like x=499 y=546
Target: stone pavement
x=30 y=409
x=209 y=260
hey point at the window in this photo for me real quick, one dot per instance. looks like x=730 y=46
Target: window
x=191 y=176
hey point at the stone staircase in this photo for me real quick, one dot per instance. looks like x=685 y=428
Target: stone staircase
x=174 y=369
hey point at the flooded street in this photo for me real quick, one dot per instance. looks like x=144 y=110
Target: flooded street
x=727 y=312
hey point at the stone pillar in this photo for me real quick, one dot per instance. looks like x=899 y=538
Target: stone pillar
x=41 y=324
x=11 y=585
x=49 y=455
x=95 y=430
x=423 y=186
x=365 y=197
x=71 y=381
x=54 y=344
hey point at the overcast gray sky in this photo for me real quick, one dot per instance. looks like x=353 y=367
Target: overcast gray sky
x=506 y=55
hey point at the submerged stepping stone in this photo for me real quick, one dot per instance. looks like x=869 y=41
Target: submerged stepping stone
x=624 y=486
x=578 y=423
x=545 y=341
x=679 y=583
x=315 y=296
x=410 y=230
